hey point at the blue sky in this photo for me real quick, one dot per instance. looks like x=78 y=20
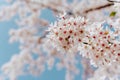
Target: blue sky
x=7 y=50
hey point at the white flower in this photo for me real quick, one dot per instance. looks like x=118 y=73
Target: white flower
x=67 y=34
x=107 y=73
x=101 y=46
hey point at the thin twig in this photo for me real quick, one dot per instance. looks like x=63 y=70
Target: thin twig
x=113 y=1
x=86 y=11
x=99 y=7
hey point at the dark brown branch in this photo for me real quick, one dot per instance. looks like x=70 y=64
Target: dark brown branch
x=113 y=1
x=99 y=7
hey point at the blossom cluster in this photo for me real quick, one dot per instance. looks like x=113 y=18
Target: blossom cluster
x=68 y=34
x=107 y=73
x=97 y=41
x=102 y=46
x=89 y=29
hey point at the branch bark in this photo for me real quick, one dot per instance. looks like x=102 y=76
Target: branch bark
x=99 y=7
x=113 y=1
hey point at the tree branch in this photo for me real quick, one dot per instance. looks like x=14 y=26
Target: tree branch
x=113 y=1
x=99 y=7
x=86 y=11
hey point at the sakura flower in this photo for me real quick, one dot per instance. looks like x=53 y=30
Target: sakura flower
x=107 y=73
x=70 y=34
x=101 y=47
x=67 y=34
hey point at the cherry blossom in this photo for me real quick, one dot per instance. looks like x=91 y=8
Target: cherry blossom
x=101 y=46
x=87 y=32
x=67 y=34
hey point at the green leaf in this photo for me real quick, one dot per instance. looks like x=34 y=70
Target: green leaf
x=112 y=14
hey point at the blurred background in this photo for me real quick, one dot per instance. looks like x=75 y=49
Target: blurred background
x=7 y=49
